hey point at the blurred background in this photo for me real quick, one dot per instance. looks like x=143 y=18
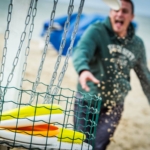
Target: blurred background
x=133 y=132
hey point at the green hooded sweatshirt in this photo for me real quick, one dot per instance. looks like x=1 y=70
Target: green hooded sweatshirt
x=110 y=59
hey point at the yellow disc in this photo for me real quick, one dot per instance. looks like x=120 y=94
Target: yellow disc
x=27 y=111
x=71 y=136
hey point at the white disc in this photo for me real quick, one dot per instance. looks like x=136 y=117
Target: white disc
x=113 y=4
x=51 y=144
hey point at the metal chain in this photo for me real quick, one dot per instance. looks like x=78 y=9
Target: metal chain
x=6 y=36
x=34 y=11
x=62 y=45
x=73 y=36
x=44 y=52
x=22 y=38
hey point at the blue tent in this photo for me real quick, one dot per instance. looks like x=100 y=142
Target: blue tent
x=56 y=35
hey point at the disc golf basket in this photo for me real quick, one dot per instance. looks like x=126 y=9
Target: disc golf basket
x=40 y=120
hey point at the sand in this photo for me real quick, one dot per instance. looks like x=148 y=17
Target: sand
x=133 y=132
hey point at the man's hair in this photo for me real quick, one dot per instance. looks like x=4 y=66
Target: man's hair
x=132 y=5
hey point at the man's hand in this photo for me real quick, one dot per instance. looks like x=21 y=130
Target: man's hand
x=87 y=76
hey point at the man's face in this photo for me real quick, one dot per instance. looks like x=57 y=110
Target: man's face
x=121 y=19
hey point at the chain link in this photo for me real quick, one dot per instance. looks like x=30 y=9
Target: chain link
x=6 y=36
x=22 y=38
x=34 y=11
x=44 y=52
x=64 y=68
x=62 y=45
x=3 y=60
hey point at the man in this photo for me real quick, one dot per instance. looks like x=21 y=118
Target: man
x=103 y=59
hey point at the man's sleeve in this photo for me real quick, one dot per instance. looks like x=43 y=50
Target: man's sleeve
x=85 y=49
x=143 y=73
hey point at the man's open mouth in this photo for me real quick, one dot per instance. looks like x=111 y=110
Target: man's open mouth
x=119 y=22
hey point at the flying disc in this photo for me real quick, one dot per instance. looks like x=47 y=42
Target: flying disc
x=30 y=121
x=67 y=139
x=71 y=136
x=27 y=111
x=113 y=4
x=45 y=130
x=42 y=127
x=11 y=135
x=50 y=145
